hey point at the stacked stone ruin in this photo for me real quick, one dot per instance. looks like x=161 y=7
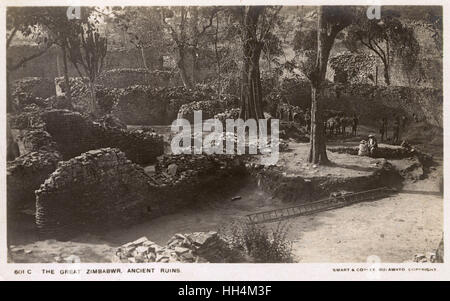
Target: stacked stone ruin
x=76 y=134
x=62 y=136
x=99 y=188
x=102 y=188
x=26 y=173
x=200 y=247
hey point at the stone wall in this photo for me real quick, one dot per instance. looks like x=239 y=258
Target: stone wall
x=189 y=179
x=373 y=103
x=35 y=140
x=144 y=105
x=209 y=108
x=69 y=134
x=125 y=77
x=369 y=102
x=36 y=86
x=75 y=134
x=25 y=174
x=100 y=188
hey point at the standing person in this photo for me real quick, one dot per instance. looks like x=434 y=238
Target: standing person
x=396 y=129
x=308 y=121
x=404 y=122
x=383 y=128
x=338 y=124
x=354 y=124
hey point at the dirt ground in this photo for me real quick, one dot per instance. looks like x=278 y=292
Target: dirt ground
x=394 y=228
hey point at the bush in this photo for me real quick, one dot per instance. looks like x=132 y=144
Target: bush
x=263 y=245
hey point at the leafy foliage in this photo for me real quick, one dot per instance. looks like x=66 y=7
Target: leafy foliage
x=263 y=245
x=386 y=37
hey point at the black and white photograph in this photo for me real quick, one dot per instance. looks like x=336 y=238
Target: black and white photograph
x=220 y=133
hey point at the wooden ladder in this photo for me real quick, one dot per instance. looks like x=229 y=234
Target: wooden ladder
x=332 y=202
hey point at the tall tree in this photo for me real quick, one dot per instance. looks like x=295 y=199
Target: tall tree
x=256 y=24
x=386 y=38
x=144 y=29
x=87 y=50
x=28 y=22
x=330 y=20
x=24 y=20
x=55 y=23
x=187 y=26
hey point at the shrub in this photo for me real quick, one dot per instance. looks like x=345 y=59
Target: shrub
x=262 y=244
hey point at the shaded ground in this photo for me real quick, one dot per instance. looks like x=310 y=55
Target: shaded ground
x=343 y=165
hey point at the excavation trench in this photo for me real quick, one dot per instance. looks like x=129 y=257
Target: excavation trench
x=208 y=192
x=220 y=200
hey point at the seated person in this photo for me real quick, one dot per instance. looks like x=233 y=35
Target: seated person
x=363 y=148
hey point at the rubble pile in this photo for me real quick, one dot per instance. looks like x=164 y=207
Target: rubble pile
x=29 y=117
x=187 y=248
x=186 y=179
x=209 y=108
x=34 y=140
x=422 y=258
x=182 y=166
x=221 y=140
x=228 y=114
x=36 y=86
x=97 y=189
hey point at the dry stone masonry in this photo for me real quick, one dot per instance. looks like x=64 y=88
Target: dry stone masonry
x=100 y=188
x=191 y=247
x=25 y=174
x=76 y=134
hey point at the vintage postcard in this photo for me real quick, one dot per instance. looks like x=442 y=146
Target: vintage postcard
x=223 y=140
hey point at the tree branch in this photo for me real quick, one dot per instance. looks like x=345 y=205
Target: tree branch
x=11 y=36
x=26 y=59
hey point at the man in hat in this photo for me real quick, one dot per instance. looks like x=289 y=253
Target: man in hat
x=372 y=144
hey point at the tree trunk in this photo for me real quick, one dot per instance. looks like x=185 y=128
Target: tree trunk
x=66 y=74
x=387 y=78
x=318 y=152
x=93 y=105
x=251 y=88
x=216 y=51
x=195 y=68
x=181 y=64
